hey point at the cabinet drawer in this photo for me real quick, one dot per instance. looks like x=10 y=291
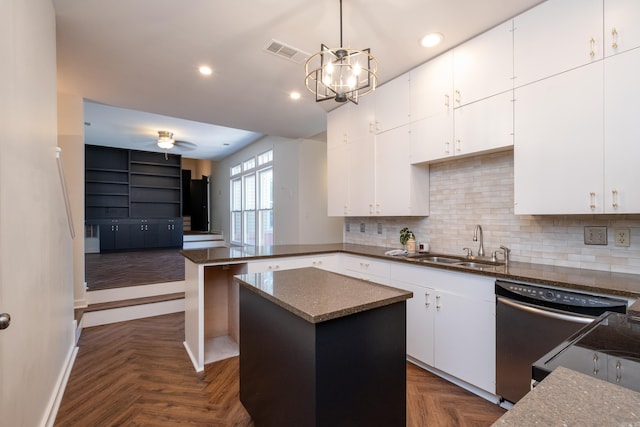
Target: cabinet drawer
x=366 y=268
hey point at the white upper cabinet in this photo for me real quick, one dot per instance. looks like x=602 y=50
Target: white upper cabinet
x=338 y=180
x=484 y=126
x=621 y=26
x=556 y=36
x=432 y=88
x=432 y=138
x=392 y=104
x=558 y=165
x=401 y=189
x=622 y=133
x=483 y=66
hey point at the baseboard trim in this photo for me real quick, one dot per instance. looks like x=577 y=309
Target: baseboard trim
x=194 y=360
x=61 y=385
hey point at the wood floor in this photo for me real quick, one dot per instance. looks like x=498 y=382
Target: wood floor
x=118 y=269
x=137 y=373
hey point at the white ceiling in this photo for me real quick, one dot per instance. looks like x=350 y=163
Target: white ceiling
x=142 y=56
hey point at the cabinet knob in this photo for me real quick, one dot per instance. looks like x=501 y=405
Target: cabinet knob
x=458 y=97
x=592 y=195
x=592 y=44
x=614 y=202
x=614 y=38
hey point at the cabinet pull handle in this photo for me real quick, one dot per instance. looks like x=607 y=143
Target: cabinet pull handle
x=592 y=44
x=595 y=364
x=592 y=195
x=427 y=302
x=458 y=145
x=377 y=208
x=438 y=302
x=446 y=147
x=614 y=38
x=458 y=97
x=446 y=100
x=614 y=194
x=370 y=209
x=618 y=371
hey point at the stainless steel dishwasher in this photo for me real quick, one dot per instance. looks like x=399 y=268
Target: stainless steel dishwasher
x=530 y=321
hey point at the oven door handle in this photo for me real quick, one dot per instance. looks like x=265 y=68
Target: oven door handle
x=576 y=318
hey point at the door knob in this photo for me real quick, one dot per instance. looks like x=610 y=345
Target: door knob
x=5 y=320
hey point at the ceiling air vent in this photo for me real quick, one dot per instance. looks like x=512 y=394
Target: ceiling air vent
x=287 y=52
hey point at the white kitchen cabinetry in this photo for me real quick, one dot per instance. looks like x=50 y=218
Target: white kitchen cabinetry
x=432 y=88
x=556 y=36
x=326 y=262
x=365 y=268
x=621 y=133
x=392 y=103
x=558 y=165
x=451 y=322
x=401 y=189
x=483 y=66
x=621 y=26
x=338 y=179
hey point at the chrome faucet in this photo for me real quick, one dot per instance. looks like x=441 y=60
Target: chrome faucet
x=506 y=251
x=475 y=239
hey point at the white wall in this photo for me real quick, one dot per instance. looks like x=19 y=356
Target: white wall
x=36 y=262
x=479 y=190
x=299 y=185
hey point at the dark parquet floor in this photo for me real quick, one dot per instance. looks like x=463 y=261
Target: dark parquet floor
x=118 y=269
x=137 y=373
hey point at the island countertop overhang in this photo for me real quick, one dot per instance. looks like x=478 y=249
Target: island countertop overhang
x=317 y=295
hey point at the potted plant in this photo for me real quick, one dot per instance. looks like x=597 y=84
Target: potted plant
x=406 y=236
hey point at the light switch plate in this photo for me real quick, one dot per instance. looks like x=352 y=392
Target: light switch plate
x=595 y=235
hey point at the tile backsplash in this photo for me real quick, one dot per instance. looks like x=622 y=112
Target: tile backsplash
x=479 y=190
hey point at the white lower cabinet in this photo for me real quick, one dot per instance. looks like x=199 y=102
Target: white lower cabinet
x=326 y=262
x=365 y=268
x=451 y=322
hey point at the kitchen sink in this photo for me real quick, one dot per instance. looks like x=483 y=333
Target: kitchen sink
x=456 y=261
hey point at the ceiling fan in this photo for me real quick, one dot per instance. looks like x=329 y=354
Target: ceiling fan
x=166 y=141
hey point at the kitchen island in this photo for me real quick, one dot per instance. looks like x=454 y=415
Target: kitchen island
x=321 y=349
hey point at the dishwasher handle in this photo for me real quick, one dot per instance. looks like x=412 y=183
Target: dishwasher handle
x=546 y=312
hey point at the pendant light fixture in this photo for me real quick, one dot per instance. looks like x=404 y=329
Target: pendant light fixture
x=342 y=73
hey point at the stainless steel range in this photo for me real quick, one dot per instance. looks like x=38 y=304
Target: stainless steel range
x=530 y=321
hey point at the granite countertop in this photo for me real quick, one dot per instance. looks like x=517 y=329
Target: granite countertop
x=569 y=398
x=318 y=295
x=621 y=284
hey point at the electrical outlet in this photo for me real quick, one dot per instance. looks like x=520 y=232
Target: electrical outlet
x=595 y=235
x=348 y=227
x=362 y=227
x=379 y=228
x=623 y=237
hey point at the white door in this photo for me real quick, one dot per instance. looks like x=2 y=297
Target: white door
x=621 y=26
x=556 y=36
x=558 y=165
x=622 y=133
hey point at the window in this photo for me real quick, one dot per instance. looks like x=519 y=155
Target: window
x=252 y=201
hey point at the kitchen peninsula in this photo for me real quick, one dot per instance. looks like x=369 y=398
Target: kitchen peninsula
x=321 y=349
x=211 y=297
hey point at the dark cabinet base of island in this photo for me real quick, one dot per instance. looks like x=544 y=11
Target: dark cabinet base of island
x=347 y=371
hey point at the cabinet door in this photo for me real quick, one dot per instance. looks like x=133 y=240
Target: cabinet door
x=465 y=338
x=624 y=372
x=361 y=176
x=558 y=166
x=432 y=88
x=432 y=138
x=392 y=104
x=338 y=180
x=556 y=36
x=114 y=236
x=621 y=26
x=337 y=126
x=420 y=323
x=483 y=66
x=393 y=173
x=484 y=125
x=622 y=133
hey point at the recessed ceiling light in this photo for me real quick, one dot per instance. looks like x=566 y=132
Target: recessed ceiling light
x=294 y=95
x=431 y=40
x=205 y=70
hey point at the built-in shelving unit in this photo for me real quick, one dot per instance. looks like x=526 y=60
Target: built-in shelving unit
x=135 y=197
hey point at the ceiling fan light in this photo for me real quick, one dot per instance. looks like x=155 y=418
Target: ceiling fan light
x=165 y=139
